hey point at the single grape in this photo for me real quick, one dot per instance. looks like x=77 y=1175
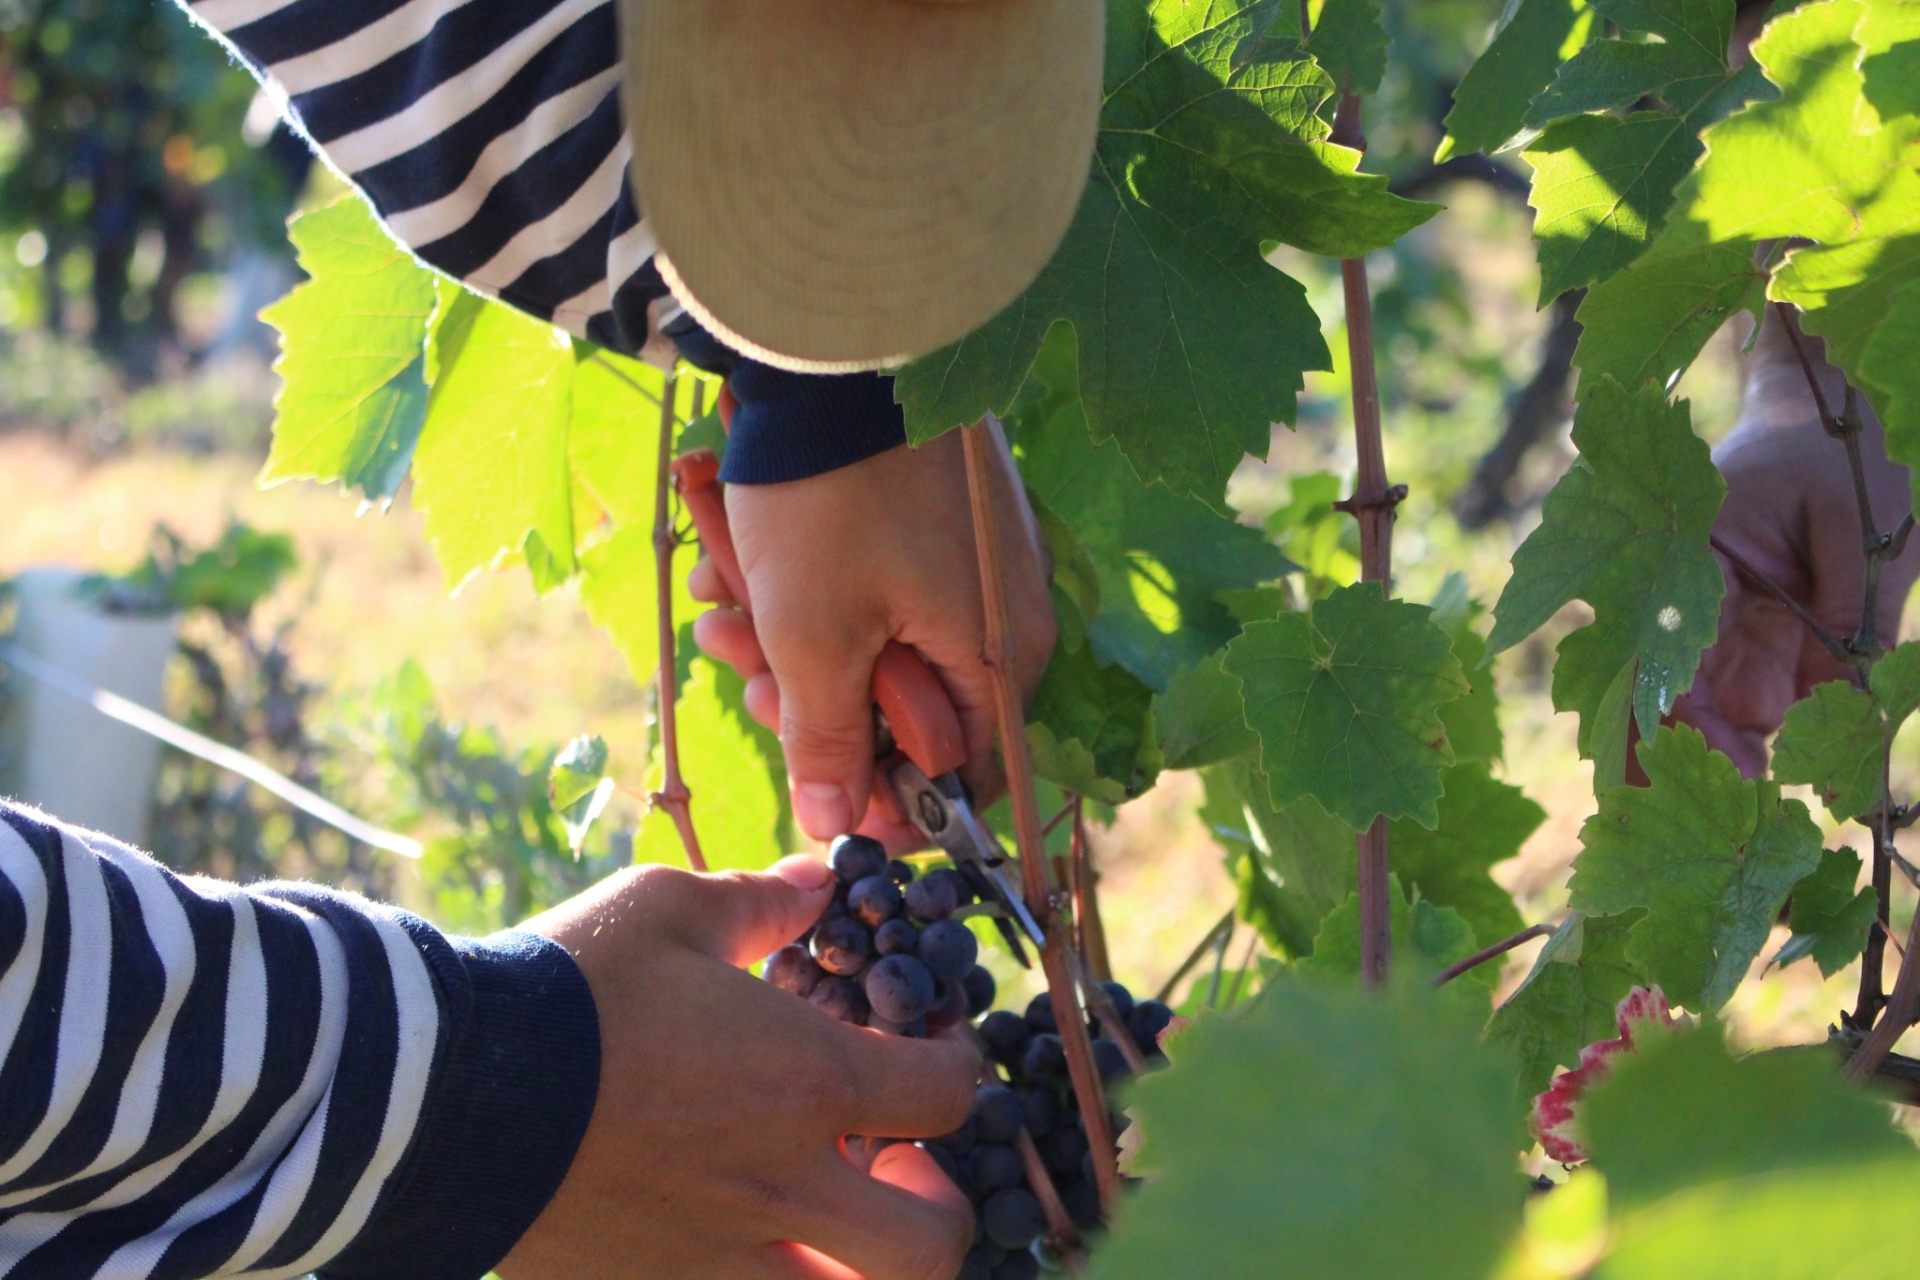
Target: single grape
x=874 y=900
x=915 y=1030
x=1007 y=1036
x=1018 y=1266
x=900 y=989
x=979 y=1264
x=1121 y=997
x=901 y=873
x=1045 y=1060
x=992 y=1166
x=841 y=945
x=855 y=857
x=981 y=989
x=997 y=1113
x=948 y=949
x=1063 y=1150
x=1040 y=1014
x=949 y=1006
x=1013 y=1218
x=896 y=937
x=1149 y=1019
x=839 y=998
x=1039 y=1109
x=934 y=896
x=1111 y=1061
x=960 y=1141
x=1082 y=1201
x=792 y=969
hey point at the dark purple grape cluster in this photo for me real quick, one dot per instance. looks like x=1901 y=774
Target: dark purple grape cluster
x=1035 y=1094
x=888 y=954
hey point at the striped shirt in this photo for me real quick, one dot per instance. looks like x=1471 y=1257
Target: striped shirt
x=197 y=1080
x=488 y=136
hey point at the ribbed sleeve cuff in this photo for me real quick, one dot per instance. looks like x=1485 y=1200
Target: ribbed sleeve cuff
x=793 y=425
x=507 y=1110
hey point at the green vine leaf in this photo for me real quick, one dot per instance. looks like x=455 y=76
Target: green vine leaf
x=1830 y=919
x=1685 y=1111
x=1490 y=104
x=1296 y=1128
x=1483 y=822
x=578 y=787
x=733 y=767
x=491 y=465
x=1201 y=718
x=1427 y=938
x=1651 y=320
x=1350 y=45
x=1887 y=364
x=1090 y=728
x=1625 y=530
x=1190 y=345
x=352 y=364
x=1710 y=856
x=1160 y=562
x=1346 y=699
x=1567 y=1000
x=1302 y=848
x=1832 y=740
x=1889 y=35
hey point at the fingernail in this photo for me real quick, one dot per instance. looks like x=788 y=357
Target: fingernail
x=809 y=875
x=822 y=809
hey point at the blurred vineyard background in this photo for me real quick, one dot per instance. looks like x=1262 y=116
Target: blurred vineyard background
x=144 y=187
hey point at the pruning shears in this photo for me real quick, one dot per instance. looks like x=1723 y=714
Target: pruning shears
x=917 y=731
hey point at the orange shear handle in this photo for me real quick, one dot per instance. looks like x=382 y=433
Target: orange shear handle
x=921 y=716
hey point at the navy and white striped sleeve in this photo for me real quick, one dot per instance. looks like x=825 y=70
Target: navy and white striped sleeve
x=488 y=135
x=197 y=1080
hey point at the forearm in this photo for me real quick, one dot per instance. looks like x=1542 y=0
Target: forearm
x=267 y=1082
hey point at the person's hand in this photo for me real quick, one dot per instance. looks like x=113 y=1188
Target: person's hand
x=1791 y=513
x=838 y=564
x=714 y=1148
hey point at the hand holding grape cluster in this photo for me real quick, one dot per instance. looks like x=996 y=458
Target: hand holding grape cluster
x=888 y=954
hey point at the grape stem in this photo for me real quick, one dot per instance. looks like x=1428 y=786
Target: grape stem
x=978 y=446
x=673 y=795
x=1059 y=1225
x=1372 y=507
x=1200 y=949
x=1086 y=900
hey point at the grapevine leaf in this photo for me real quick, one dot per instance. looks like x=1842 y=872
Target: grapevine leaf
x=1793 y=1225
x=1887 y=364
x=1832 y=740
x=1890 y=36
x=617 y=586
x=1200 y=717
x=1625 y=530
x=1799 y=165
x=1483 y=821
x=1567 y=1000
x=353 y=390
x=1652 y=319
x=1090 y=728
x=1160 y=560
x=1295 y=1129
x=613 y=442
x=1306 y=850
x=737 y=800
x=579 y=788
x=1490 y=104
x=1710 y=856
x=1426 y=938
x=1830 y=920
x=1610 y=74
x=1683 y=1110
x=1345 y=701
x=1473 y=721
x=491 y=466
x=1896 y=682
x=1285 y=919
x=1350 y=44
x=1190 y=345
x=1601 y=190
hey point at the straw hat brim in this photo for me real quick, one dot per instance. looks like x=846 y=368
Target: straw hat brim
x=844 y=184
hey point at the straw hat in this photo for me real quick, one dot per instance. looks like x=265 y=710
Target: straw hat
x=842 y=184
